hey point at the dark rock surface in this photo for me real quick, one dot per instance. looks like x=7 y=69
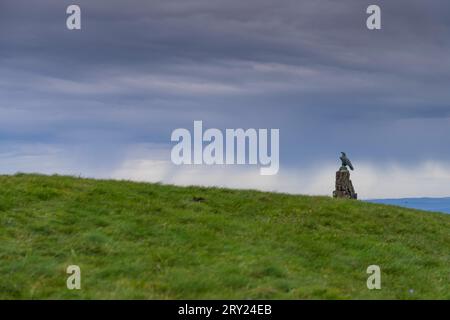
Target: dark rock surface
x=344 y=186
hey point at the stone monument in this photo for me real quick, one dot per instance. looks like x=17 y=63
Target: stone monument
x=344 y=186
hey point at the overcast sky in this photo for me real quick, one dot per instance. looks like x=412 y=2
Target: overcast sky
x=103 y=101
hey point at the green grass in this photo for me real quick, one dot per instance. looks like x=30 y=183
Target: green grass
x=151 y=241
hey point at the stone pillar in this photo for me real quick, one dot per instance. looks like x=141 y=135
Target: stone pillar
x=344 y=186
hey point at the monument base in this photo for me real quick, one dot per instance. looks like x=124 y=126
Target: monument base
x=344 y=186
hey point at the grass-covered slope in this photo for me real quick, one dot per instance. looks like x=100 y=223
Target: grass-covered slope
x=150 y=241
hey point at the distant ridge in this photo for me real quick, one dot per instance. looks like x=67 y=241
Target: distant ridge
x=424 y=203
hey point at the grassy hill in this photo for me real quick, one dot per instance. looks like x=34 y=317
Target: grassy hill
x=150 y=241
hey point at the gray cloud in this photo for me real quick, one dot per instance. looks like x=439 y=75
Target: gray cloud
x=140 y=69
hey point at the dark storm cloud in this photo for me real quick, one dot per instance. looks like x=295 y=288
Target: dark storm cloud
x=139 y=69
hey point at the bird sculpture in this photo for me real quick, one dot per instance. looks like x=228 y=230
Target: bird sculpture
x=346 y=161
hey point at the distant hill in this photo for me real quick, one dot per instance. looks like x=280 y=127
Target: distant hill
x=429 y=204
x=152 y=241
